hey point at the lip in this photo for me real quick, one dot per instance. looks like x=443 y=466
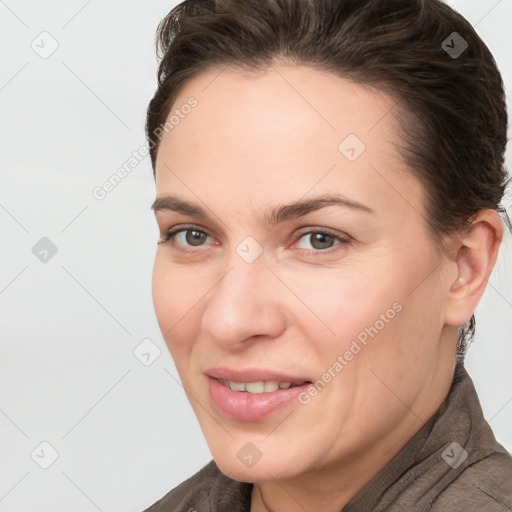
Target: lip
x=244 y=406
x=253 y=375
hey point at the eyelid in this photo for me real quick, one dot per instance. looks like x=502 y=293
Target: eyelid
x=327 y=231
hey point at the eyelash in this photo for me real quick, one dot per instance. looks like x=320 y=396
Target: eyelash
x=342 y=240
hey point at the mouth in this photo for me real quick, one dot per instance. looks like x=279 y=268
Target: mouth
x=251 y=396
x=261 y=386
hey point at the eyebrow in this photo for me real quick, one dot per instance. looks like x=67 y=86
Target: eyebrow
x=278 y=214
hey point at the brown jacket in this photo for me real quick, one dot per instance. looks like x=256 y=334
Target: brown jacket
x=454 y=463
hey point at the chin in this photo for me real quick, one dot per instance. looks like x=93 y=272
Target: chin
x=248 y=463
x=260 y=472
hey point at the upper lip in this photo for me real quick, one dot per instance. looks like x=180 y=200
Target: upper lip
x=253 y=375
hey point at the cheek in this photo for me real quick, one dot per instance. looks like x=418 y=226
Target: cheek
x=176 y=299
x=369 y=317
x=163 y=296
x=337 y=306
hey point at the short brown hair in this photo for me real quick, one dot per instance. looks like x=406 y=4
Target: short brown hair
x=451 y=107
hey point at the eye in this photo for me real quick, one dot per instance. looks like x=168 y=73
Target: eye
x=319 y=241
x=185 y=236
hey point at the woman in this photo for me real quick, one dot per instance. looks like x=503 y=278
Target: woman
x=329 y=177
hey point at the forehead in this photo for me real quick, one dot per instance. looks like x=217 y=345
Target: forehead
x=282 y=132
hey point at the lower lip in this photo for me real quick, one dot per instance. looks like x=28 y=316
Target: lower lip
x=244 y=406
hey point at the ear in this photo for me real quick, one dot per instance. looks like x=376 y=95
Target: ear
x=474 y=258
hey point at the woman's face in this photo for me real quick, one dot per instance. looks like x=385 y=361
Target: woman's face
x=300 y=255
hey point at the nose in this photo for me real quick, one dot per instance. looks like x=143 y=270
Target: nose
x=243 y=305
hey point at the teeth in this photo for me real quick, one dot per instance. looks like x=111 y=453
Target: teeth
x=236 y=386
x=257 y=387
x=271 y=385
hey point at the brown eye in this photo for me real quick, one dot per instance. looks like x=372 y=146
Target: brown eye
x=194 y=237
x=185 y=237
x=318 y=241
x=321 y=240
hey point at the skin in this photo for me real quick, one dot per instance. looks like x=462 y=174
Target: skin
x=257 y=141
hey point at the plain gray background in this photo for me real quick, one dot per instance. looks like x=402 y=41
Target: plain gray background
x=122 y=433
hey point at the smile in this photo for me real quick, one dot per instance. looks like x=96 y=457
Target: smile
x=253 y=400
x=261 y=386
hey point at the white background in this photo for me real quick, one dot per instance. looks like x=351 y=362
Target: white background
x=124 y=432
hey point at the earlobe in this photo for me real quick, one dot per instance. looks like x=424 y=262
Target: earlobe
x=474 y=261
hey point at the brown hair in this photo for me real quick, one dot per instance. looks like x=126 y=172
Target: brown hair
x=451 y=100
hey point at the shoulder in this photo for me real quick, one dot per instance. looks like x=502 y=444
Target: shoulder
x=485 y=484
x=209 y=490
